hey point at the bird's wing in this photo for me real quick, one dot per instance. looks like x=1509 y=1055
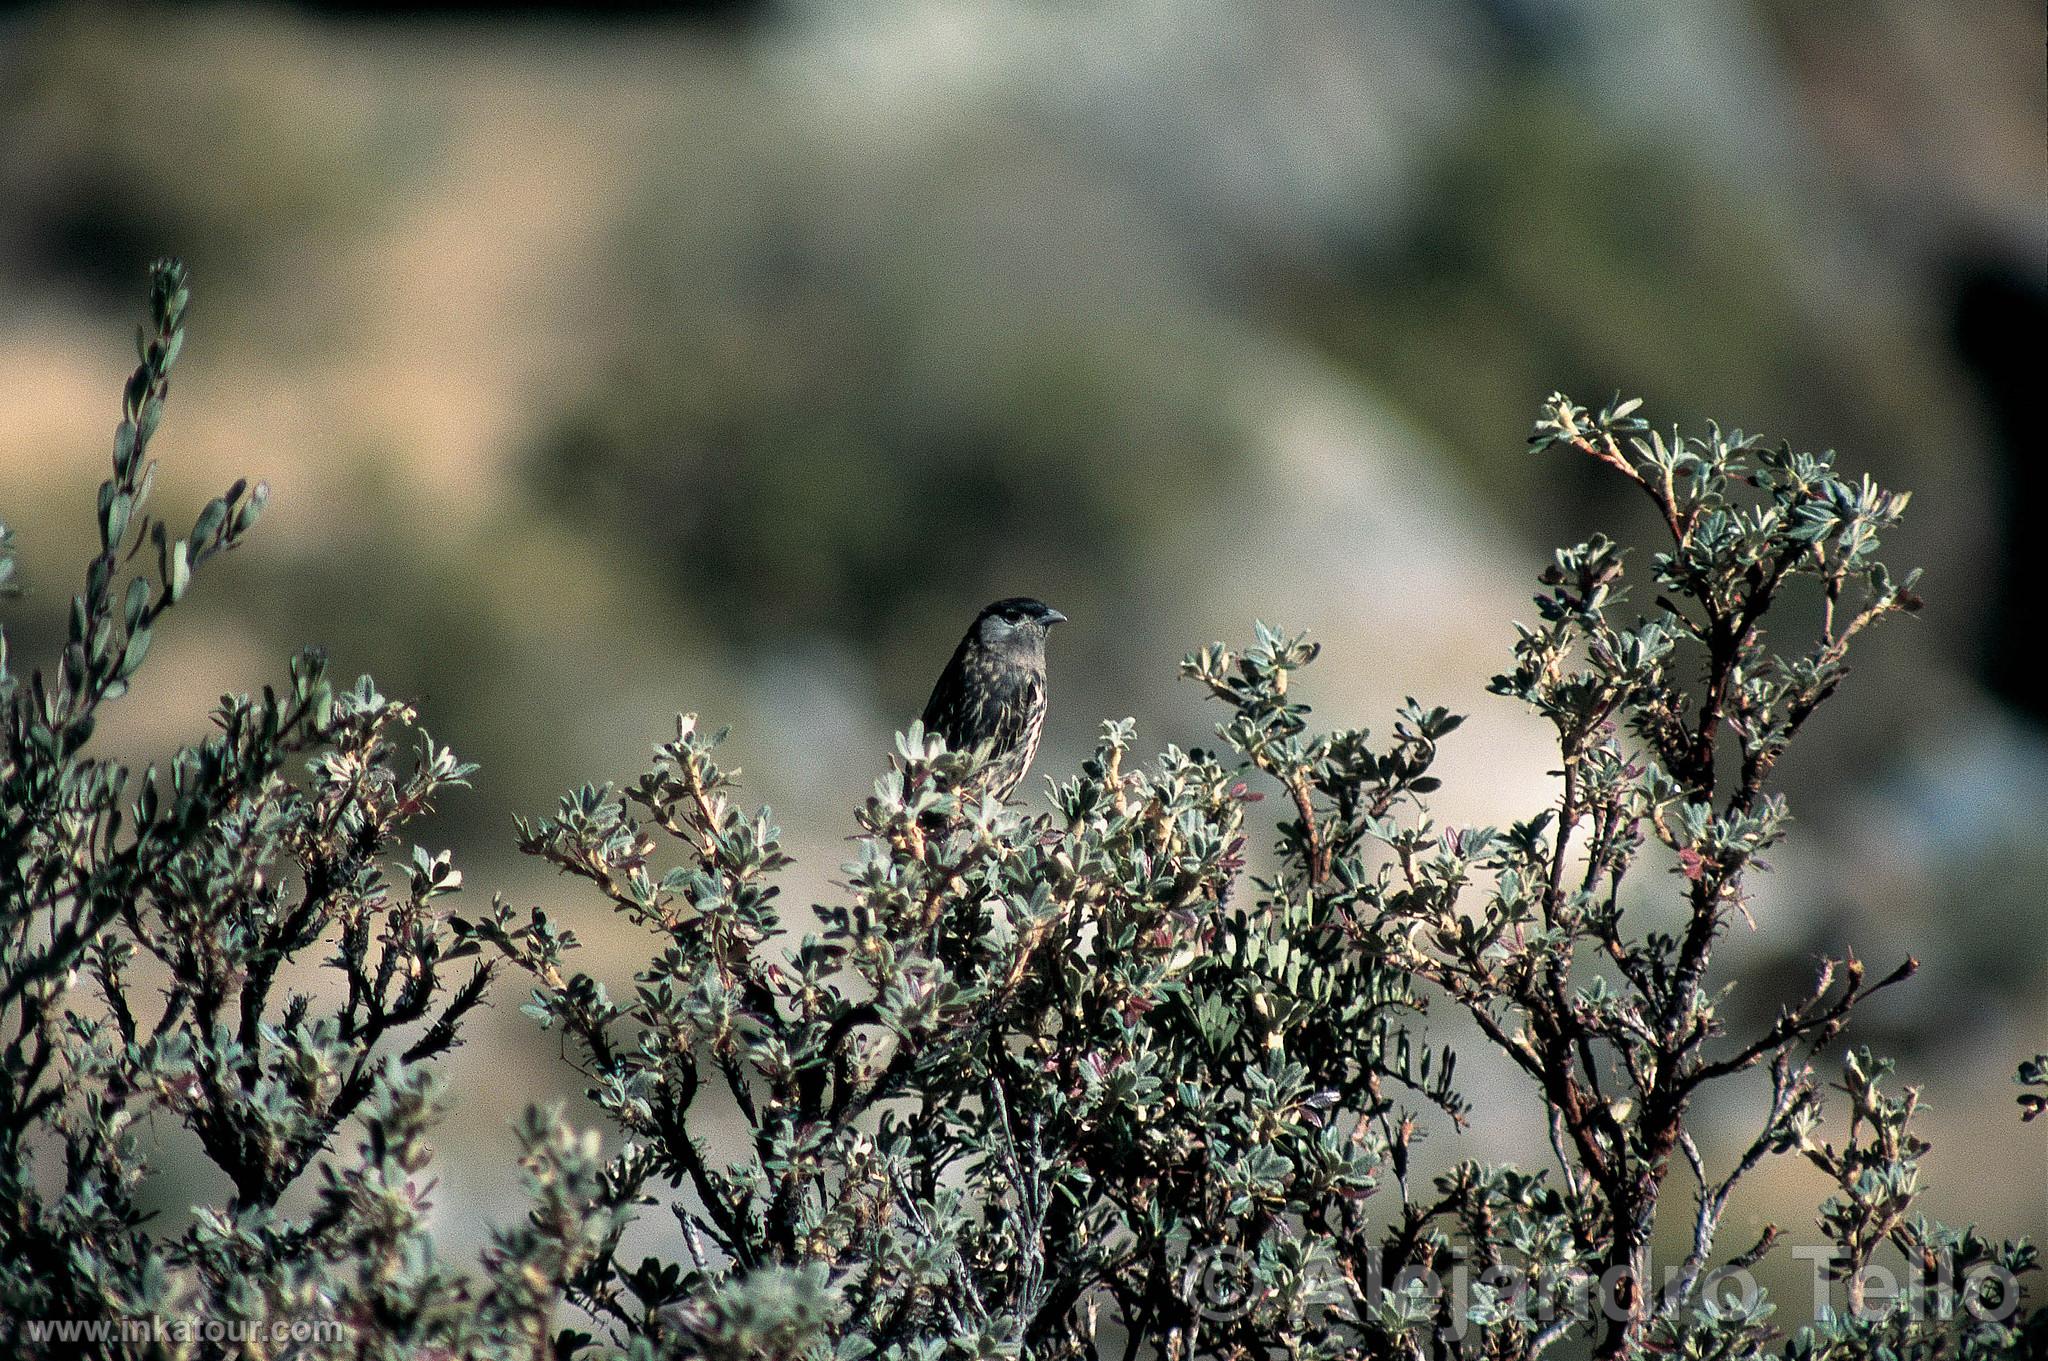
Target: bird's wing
x=950 y=710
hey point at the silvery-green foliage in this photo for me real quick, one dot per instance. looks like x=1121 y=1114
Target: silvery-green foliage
x=1062 y=1080
x=163 y=940
x=1050 y=1082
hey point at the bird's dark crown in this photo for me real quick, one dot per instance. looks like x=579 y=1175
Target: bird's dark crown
x=1020 y=609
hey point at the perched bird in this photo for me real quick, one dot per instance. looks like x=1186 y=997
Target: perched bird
x=993 y=691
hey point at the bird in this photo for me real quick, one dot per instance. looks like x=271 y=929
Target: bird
x=993 y=691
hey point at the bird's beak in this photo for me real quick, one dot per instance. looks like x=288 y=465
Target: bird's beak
x=1053 y=616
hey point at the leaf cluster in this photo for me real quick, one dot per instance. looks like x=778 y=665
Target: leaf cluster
x=1061 y=1081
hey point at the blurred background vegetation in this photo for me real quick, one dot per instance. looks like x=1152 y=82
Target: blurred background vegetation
x=607 y=366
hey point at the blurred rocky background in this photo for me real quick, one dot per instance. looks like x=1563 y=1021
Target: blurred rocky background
x=605 y=366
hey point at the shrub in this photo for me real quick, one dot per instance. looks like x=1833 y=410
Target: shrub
x=1100 y=1077
x=152 y=944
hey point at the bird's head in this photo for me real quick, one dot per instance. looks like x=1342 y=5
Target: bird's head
x=1016 y=627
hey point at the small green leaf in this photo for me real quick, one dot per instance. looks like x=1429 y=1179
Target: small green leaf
x=138 y=598
x=209 y=521
x=137 y=649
